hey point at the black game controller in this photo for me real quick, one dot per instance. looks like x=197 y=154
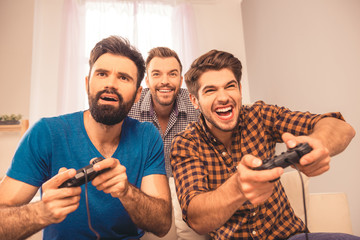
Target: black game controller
x=287 y=158
x=79 y=178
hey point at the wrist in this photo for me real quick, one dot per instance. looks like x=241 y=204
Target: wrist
x=122 y=193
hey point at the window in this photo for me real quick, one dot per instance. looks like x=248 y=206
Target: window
x=145 y=24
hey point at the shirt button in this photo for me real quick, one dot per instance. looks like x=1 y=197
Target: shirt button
x=254 y=213
x=223 y=153
x=254 y=232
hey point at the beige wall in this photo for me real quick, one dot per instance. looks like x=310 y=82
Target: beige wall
x=305 y=54
x=16 y=27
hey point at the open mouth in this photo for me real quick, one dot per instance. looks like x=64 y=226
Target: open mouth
x=109 y=98
x=224 y=112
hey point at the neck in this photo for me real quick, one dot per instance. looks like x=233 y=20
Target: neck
x=225 y=137
x=162 y=111
x=105 y=138
x=163 y=114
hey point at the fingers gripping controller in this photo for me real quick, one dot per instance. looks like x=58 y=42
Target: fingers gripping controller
x=287 y=158
x=79 y=178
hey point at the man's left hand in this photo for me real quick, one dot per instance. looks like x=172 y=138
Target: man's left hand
x=113 y=181
x=314 y=163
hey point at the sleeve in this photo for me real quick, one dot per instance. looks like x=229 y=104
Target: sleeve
x=155 y=163
x=189 y=172
x=30 y=162
x=279 y=120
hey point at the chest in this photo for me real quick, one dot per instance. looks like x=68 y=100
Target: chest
x=220 y=163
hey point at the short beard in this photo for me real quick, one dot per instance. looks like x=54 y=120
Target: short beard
x=107 y=114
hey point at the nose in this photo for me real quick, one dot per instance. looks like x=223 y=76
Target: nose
x=111 y=81
x=222 y=96
x=164 y=79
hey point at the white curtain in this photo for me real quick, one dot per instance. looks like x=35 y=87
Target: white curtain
x=66 y=30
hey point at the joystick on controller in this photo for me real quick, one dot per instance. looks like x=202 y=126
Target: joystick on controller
x=79 y=178
x=287 y=158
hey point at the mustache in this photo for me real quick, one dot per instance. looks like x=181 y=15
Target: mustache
x=109 y=91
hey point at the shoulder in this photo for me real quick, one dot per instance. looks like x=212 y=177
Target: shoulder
x=66 y=118
x=58 y=123
x=260 y=108
x=191 y=132
x=143 y=104
x=184 y=95
x=184 y=104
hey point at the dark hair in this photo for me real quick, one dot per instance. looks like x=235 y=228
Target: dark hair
x=212 y=60
x=119 y=46
x=162 y=52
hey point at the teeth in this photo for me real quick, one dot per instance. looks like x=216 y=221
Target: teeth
x=165 y=90
x=223 y=109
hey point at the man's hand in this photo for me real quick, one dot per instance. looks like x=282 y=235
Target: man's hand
x=314 y=163
x=56 y=202
x=113 y=181
x=256 y=185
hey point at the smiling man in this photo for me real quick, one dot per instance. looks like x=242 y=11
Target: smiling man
x=131 y=197
x=165 y=104
x=213 y=159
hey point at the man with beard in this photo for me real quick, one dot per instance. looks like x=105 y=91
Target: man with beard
x=131 y=197
x=168 y=107
x=219 y=191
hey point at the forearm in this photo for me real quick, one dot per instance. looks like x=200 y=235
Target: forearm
x=334 y=134
x=19 y=222
x=209 y=211
x=147 y=212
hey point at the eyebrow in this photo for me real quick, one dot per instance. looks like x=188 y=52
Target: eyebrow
x=103 y=70
x=212 y=86
x=232 y=81
x=173 y=70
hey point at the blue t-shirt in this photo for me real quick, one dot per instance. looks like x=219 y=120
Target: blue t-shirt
x=62 y=141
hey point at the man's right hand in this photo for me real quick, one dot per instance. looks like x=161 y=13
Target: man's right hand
x=57 y=202
x=256 y=185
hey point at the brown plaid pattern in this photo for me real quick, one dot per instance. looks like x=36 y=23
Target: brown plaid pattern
x=201 y=163
x=182 y=114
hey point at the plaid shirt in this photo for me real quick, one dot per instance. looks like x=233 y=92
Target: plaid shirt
x=182 y=114
x=201 y=163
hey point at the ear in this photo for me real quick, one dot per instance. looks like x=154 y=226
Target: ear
x=138 y=94
x=147 y=81
x=194 y=101
x=181 y=80
x=87 y=84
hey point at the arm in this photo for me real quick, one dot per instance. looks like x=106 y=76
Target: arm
x=210 y=210
x=334 y=134
x=20 y=219
x=329 y=137
x=149 y=208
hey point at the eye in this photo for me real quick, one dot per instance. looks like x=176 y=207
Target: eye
x=207 y=91
x=101 y=74
x=124 y=78
x=155 y=74
x=232 y=85
x=173 y=74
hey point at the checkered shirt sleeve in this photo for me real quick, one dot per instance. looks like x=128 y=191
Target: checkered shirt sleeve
x=201 y=163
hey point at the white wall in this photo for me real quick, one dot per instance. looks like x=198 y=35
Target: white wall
x=219 y=26
x=305 y=54
x=16 y=24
